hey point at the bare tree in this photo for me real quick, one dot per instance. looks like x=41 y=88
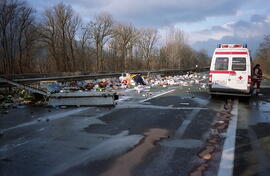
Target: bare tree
x=26 y=37
x=264 y=49
x=100 y=31
x=175 y=41
x=147 y=41
x=83 y=48
x=62 y=43
x=202 y=58
x=16 y=25
x=263 y=54
x=125 y=36
x=58 y=31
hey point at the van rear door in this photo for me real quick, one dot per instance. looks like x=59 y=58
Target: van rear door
x=220 y=74
x=240 y=68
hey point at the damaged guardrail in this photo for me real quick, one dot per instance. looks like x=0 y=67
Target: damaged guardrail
x=31 y=78
x=78 y=98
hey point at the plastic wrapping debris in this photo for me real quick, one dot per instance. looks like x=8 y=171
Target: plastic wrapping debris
x=127 y=79
x=89 y=86
x=54 y=88
x=139 y=80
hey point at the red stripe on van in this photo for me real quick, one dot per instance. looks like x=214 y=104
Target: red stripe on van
x=231 y=52
x=223 y=72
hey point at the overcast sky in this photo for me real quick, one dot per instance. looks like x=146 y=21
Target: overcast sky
x=205 y=22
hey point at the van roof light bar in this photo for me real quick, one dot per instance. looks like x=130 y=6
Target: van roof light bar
x=232 y=46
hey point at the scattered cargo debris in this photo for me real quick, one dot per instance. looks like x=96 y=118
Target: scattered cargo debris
x=86 y=92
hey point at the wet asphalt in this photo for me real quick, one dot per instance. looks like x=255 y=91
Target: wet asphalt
x=252 y=154
x=158 y=137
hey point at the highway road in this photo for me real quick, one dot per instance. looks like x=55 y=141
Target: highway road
x=174 y=131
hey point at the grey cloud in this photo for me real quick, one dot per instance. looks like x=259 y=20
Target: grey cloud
x=152 y=12
x=156 y=13
x=210 y=45
x=219 y=28
x=213 y=29
x=241 y=32
x=241 y=24
x=258 y=18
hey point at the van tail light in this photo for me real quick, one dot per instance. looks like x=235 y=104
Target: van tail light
x=249 y=79
x=210 y=78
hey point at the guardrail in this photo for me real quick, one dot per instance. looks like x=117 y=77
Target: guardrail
x=31 y=78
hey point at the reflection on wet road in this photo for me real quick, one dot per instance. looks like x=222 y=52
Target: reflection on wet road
x=253 y=137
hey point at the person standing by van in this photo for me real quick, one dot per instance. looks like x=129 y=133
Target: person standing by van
x=257 y=77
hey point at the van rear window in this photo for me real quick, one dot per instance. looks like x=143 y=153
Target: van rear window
x=221 y=63
x=239 y=63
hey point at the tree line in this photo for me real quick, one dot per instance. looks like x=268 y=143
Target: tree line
x=59 y=41
x=263 y=55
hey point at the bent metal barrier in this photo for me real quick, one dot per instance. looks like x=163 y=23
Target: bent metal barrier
x=86 y=98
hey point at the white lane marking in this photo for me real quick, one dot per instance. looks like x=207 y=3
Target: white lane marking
x=163 y=93
x=182 y=128
x=50 y=117
x=226 y=164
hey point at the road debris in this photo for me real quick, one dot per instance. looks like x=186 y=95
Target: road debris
x=206 y=152
x=137 y=83
x=199 y=171
x=215 y=135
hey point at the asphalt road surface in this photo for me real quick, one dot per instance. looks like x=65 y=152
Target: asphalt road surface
x=175 y=131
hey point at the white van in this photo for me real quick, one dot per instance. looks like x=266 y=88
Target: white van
x=230 y=70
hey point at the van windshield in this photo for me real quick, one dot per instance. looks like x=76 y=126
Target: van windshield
x=221 y=63
x=239 y=63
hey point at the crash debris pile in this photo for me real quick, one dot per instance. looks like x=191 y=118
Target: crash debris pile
x=16 y=98
x=125 y=81
x=121 y=86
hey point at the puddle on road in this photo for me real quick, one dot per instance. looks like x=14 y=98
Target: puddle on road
x=124 y=165
x=263 y=115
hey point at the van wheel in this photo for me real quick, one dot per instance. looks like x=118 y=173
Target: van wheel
x=245 y=99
